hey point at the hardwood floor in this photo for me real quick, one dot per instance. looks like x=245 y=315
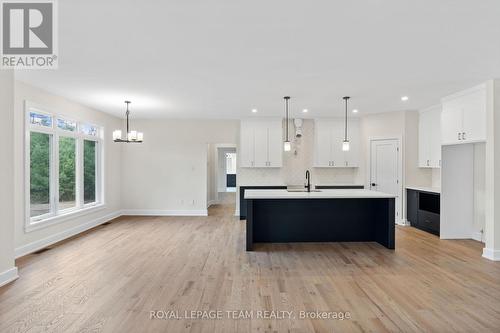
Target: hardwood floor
x=109 y=279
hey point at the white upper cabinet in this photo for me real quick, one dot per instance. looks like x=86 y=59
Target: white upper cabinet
x=429 y=138
x=463 y=119
x=261 y=143
x=328 y=138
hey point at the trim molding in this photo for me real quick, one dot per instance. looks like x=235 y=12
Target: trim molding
x=237 y=212
x=477 y=236
x=159 y=212
x=212 y=202
x=8 y=276
x=491 y=254
x=44 y=242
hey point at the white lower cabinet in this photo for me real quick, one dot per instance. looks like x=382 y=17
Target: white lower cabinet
x=328 y=138
x=429 y=138
x=261 y=143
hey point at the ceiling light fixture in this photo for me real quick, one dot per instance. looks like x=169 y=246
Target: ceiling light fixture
x=254 y=110
x=345 y=143
x=305 y=110
x=404 y=98
x=355 y=111
x=132 y=136
x=287 y=145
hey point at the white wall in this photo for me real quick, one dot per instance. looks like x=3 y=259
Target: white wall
x=167 y=174
x=25 y=241
x=7 y=270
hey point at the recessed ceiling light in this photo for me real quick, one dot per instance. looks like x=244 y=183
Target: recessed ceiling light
x=305 y=110
x=355 y=111
x=404 y=98
x=254 y=110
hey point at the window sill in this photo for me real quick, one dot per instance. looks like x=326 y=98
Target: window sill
x=32 y=226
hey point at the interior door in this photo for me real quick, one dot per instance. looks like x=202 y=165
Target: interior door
x=384 y=170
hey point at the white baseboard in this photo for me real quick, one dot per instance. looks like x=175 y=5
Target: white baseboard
x=40 y=244
x=491 y=254
x=8 y=276
x=159 y=212
x=402 y=222
x=212 y=202
x=477 y=236
x=237 y=212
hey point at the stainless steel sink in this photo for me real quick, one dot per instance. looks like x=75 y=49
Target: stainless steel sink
x=299 y=189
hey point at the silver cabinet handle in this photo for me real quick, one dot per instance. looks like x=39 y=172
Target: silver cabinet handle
x=459 y=136
x=427 y=162
x=463 y=135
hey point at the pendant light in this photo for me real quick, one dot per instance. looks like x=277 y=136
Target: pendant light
x=132 y=136
x=345 y=143
x=287 y=145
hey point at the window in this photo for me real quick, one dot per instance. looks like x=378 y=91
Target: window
x=67 y=172
x=88 y=129
x=63 y=167
x=89 y=171
x=40 y=163
x=66 y=125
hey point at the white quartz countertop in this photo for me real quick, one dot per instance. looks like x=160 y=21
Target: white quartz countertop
x=323 y=194
x=424 y=188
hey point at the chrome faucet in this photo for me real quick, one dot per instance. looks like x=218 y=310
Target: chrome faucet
x=308 y=179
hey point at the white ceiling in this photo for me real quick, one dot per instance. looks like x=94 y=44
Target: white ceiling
x=220 y=59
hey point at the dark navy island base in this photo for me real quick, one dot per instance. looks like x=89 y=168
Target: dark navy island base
x=320 y=220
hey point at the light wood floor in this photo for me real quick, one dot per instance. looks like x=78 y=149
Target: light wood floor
x=109 y=279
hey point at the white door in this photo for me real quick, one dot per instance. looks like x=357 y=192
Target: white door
x=385 y=170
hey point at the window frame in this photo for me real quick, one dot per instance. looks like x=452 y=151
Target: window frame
x=55 y=215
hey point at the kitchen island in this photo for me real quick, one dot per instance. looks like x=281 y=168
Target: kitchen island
x=343 y=215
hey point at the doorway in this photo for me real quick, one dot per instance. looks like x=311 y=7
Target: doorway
x=386 y=170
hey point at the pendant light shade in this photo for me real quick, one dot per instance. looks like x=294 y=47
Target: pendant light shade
x=287 y=145
x=345 y=143
x=131 y=136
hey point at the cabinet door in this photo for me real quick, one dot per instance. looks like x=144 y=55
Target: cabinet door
x=435 y=138
x=246 y=149
x=322 y=144
x=352 y=157
x=451 y=122
x=412 y=207
x=474 y=116
x=424 y=139
x=275 y=144
x=338 y=155
x=261 y=133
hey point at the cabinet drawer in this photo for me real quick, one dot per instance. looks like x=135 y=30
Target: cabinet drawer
x=428 y=221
